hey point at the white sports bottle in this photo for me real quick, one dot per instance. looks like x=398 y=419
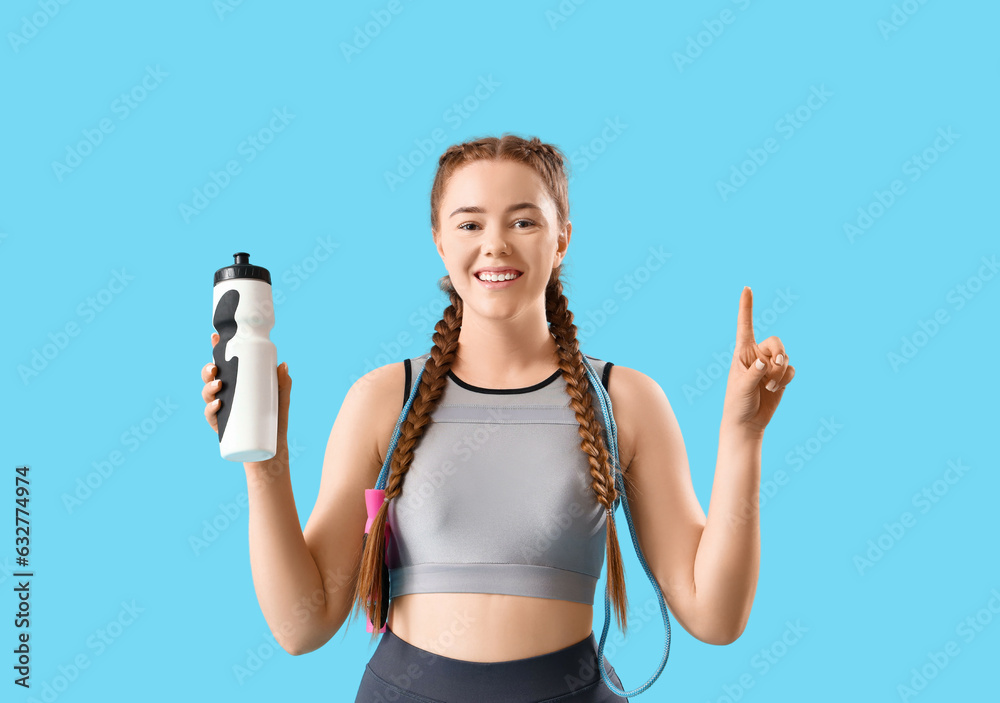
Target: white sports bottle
x=247 y=360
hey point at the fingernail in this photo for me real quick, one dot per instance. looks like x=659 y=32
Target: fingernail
x=759 y=364
x=778 y=359
x=770 y=386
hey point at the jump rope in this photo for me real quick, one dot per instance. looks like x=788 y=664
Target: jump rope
x=374 y=497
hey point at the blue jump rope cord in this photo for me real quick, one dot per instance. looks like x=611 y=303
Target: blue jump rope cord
x=612 y=432
x=383 y=475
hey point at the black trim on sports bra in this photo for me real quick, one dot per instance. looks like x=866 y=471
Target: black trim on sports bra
x=504 y=391
x=409 y=372
x=409 y=379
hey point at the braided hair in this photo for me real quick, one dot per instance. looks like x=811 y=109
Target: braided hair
x=549 y=162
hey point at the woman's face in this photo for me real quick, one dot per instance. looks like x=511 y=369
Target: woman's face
x=498 y=214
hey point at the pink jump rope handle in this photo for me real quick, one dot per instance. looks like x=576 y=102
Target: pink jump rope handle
x=374 y=497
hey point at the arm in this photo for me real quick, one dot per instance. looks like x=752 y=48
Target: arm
x=304 y=578
x=706 y=568
x=728 y=560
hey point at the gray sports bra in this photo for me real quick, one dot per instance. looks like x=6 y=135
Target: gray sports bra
x=498 y=497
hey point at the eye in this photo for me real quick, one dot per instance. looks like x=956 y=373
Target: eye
x=530 y=223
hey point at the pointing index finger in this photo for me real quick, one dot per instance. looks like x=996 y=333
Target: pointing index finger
x=744 y=322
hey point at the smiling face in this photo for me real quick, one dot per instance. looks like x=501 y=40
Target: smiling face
x=498 y=216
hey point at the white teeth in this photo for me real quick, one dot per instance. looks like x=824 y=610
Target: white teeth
x=497 y=277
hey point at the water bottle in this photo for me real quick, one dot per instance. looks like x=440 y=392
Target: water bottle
x=247 y=361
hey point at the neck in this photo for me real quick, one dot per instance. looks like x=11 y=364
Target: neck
x=505 y=353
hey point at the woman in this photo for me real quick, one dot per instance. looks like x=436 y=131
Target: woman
x=482 y=608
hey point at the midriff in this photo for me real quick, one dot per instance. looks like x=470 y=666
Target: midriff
x=488 y=627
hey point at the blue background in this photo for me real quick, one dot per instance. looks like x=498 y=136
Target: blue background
x=843 y=304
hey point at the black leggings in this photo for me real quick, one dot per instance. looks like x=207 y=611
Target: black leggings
x=400 y=671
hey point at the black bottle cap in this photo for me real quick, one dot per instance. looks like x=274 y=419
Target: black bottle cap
x=242 y=268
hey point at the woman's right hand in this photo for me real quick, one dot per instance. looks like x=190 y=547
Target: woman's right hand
x=212 y=386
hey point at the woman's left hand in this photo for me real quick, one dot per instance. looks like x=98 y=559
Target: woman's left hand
x=753 y=394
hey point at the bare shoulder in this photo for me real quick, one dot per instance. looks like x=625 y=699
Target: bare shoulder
x=629 y=382
x=639 y=404
x=377 y=399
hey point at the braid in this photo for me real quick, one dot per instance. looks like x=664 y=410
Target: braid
x=368 y=594
x=369 y=583
x=547 y=150
x=578 y=387
x=548 y=161
x=450 y=152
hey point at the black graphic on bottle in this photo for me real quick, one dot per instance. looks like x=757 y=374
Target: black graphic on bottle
x=225 y=324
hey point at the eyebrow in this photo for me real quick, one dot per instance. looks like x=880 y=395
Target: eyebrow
x=512 y=208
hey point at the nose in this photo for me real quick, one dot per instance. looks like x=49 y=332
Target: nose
x=494 y=244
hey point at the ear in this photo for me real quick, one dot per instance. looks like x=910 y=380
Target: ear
x=563 y=243
x=437 y=243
